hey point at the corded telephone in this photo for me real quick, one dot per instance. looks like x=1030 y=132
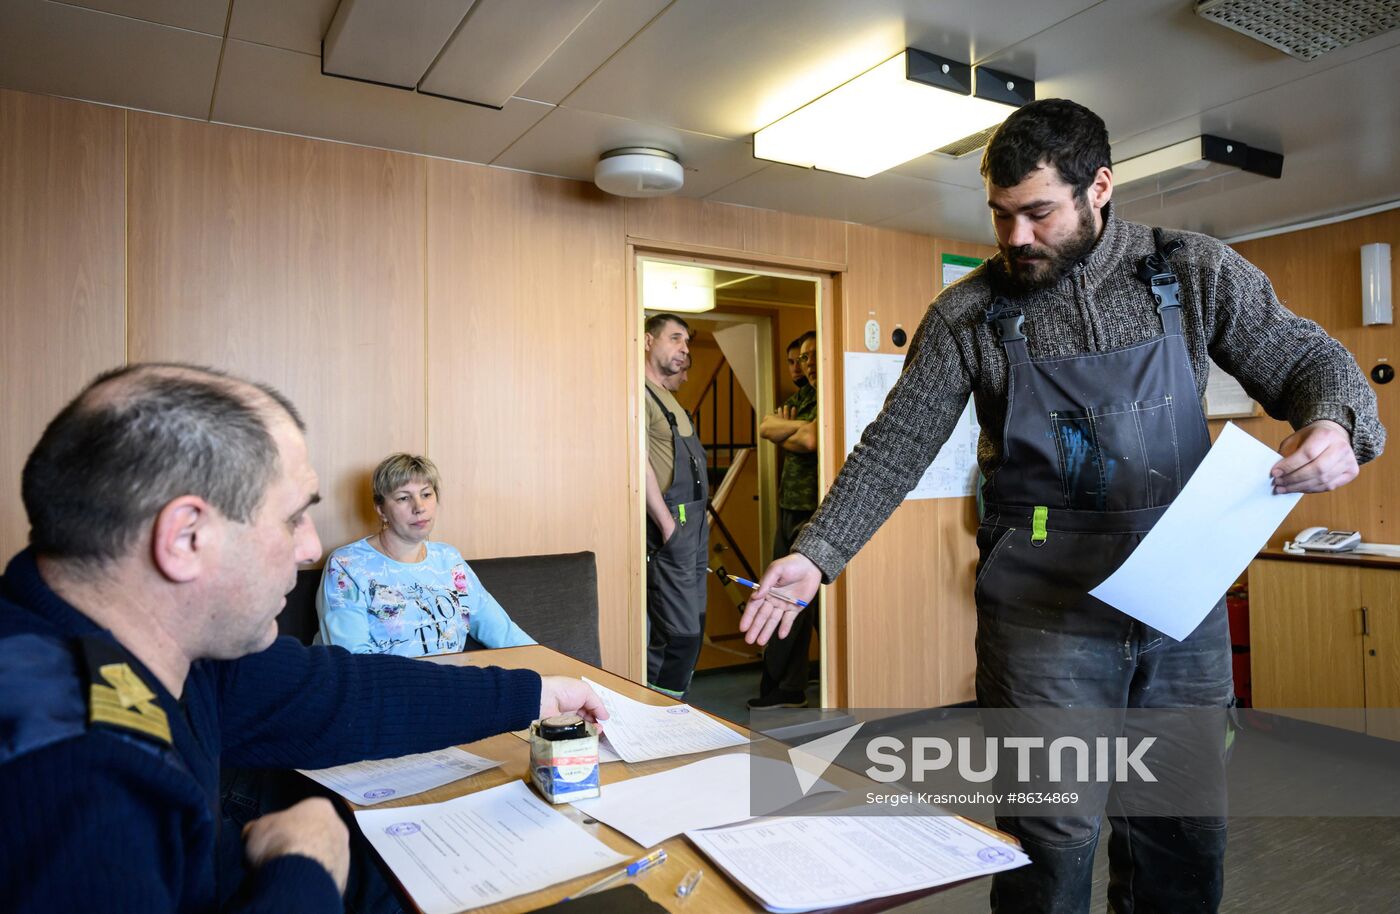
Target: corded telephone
x=1320 y=539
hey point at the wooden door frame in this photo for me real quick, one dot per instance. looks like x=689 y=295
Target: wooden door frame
x=826 y=275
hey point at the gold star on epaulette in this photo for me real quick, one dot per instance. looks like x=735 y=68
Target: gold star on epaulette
x=126 y=702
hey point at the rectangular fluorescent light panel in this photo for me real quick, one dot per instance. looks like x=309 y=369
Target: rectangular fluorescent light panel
x=677 y=287
x=1178 y=166
x=878 y=120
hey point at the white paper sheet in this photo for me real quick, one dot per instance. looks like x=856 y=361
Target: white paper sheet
x=482 y=848
x=704 y=794
x=1214 y=528
x=641 y=732
x=367 y=783
x=803 y=863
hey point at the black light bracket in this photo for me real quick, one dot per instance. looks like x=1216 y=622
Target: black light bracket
x=1000 y=86
x=939 y=72
x=1241 y=155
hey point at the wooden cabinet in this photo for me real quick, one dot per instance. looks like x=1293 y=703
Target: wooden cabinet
x=1325 y=634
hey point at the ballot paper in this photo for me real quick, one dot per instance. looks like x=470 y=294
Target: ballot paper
x=1214 y=528
x=804 y=863
x=482 y=848
x=703 y=794
x=641 y=732
x=367 y=783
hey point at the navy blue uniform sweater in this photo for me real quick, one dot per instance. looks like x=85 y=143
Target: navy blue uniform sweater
x=95 y=817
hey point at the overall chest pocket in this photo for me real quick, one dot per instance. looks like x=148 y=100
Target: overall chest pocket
x=1118 y=457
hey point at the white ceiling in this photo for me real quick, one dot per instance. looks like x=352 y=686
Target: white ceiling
x=700 y=76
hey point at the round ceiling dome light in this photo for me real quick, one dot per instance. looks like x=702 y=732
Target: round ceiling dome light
x=639 y=171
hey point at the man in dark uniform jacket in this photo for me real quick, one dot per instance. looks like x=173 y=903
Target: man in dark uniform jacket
x=139 y=652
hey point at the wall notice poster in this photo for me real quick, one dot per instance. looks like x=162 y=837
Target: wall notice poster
x=869 y=377
x=956 y=266
x=1225 y=398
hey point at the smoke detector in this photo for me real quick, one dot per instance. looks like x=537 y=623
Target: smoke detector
x=1304 y=29
x=639 y=171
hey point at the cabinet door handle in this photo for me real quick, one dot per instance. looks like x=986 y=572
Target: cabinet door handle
x=1365 y=620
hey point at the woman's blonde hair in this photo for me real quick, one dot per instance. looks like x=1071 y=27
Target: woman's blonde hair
x=398 y=470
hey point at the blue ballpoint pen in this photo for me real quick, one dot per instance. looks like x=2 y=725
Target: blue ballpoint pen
x=775 y=593
x=655 y=858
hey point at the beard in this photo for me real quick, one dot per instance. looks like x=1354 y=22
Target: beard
x=1053 y=262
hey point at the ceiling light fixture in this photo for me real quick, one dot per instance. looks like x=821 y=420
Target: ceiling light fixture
x=908 y=106
x=1188 y=163
x=676 y=287
x=639 y=171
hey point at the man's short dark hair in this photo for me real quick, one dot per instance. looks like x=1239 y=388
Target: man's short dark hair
x=135 y=439
x=657 y=323
x=1053 y=131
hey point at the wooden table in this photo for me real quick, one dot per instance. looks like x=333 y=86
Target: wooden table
x=716 y=891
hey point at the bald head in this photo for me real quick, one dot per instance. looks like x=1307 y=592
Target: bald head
x=138 y=437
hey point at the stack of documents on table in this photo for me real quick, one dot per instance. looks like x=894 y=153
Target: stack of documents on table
x=804 y=863
x=367 y=783
x=482 y=848
x=714 y=791
x=641 y=732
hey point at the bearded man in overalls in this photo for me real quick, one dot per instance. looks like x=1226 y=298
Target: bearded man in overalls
x=1086 y=343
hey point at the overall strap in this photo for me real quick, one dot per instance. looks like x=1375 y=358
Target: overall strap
x=1006 y=320
x=670 y=419
x=1156 y=271
x=681 y=443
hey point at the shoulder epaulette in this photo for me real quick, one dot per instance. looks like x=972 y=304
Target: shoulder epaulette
x=118 y=696
x=41 y=699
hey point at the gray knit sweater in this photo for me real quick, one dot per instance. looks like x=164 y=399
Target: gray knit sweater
x=1230 y=313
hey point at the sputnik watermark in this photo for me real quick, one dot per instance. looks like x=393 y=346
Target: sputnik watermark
x=1112 y=758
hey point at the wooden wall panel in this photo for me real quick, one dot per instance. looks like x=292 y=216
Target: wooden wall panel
x=295 y=262
x=721 y=229
x=767 y=231
x=62 y=276
x=894 y=588
x=528 y=388
x=911 y=586
x=688 y=221
x=1317 y=273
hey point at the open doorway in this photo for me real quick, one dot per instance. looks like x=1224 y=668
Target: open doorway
x=741 y=321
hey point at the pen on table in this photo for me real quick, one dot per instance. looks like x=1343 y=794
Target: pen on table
x=689 y=884
x=655 y=858
x=775 y=593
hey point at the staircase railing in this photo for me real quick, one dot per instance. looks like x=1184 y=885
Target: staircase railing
x=721 y=384
x=721 y=440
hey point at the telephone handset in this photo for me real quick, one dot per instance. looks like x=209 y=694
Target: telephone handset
x=1320 y=539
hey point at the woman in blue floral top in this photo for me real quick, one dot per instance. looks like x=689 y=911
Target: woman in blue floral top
x=394 y=592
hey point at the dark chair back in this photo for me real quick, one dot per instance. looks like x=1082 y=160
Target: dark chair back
x=553 y=597
x=298 y=618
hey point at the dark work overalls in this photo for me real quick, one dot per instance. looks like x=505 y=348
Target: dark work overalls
x=676 y=591
x=1096 y=445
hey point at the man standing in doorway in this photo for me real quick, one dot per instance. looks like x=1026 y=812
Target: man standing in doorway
x=794 y=363
x=1086 y=343
x=794 y=429
x=678 y=528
